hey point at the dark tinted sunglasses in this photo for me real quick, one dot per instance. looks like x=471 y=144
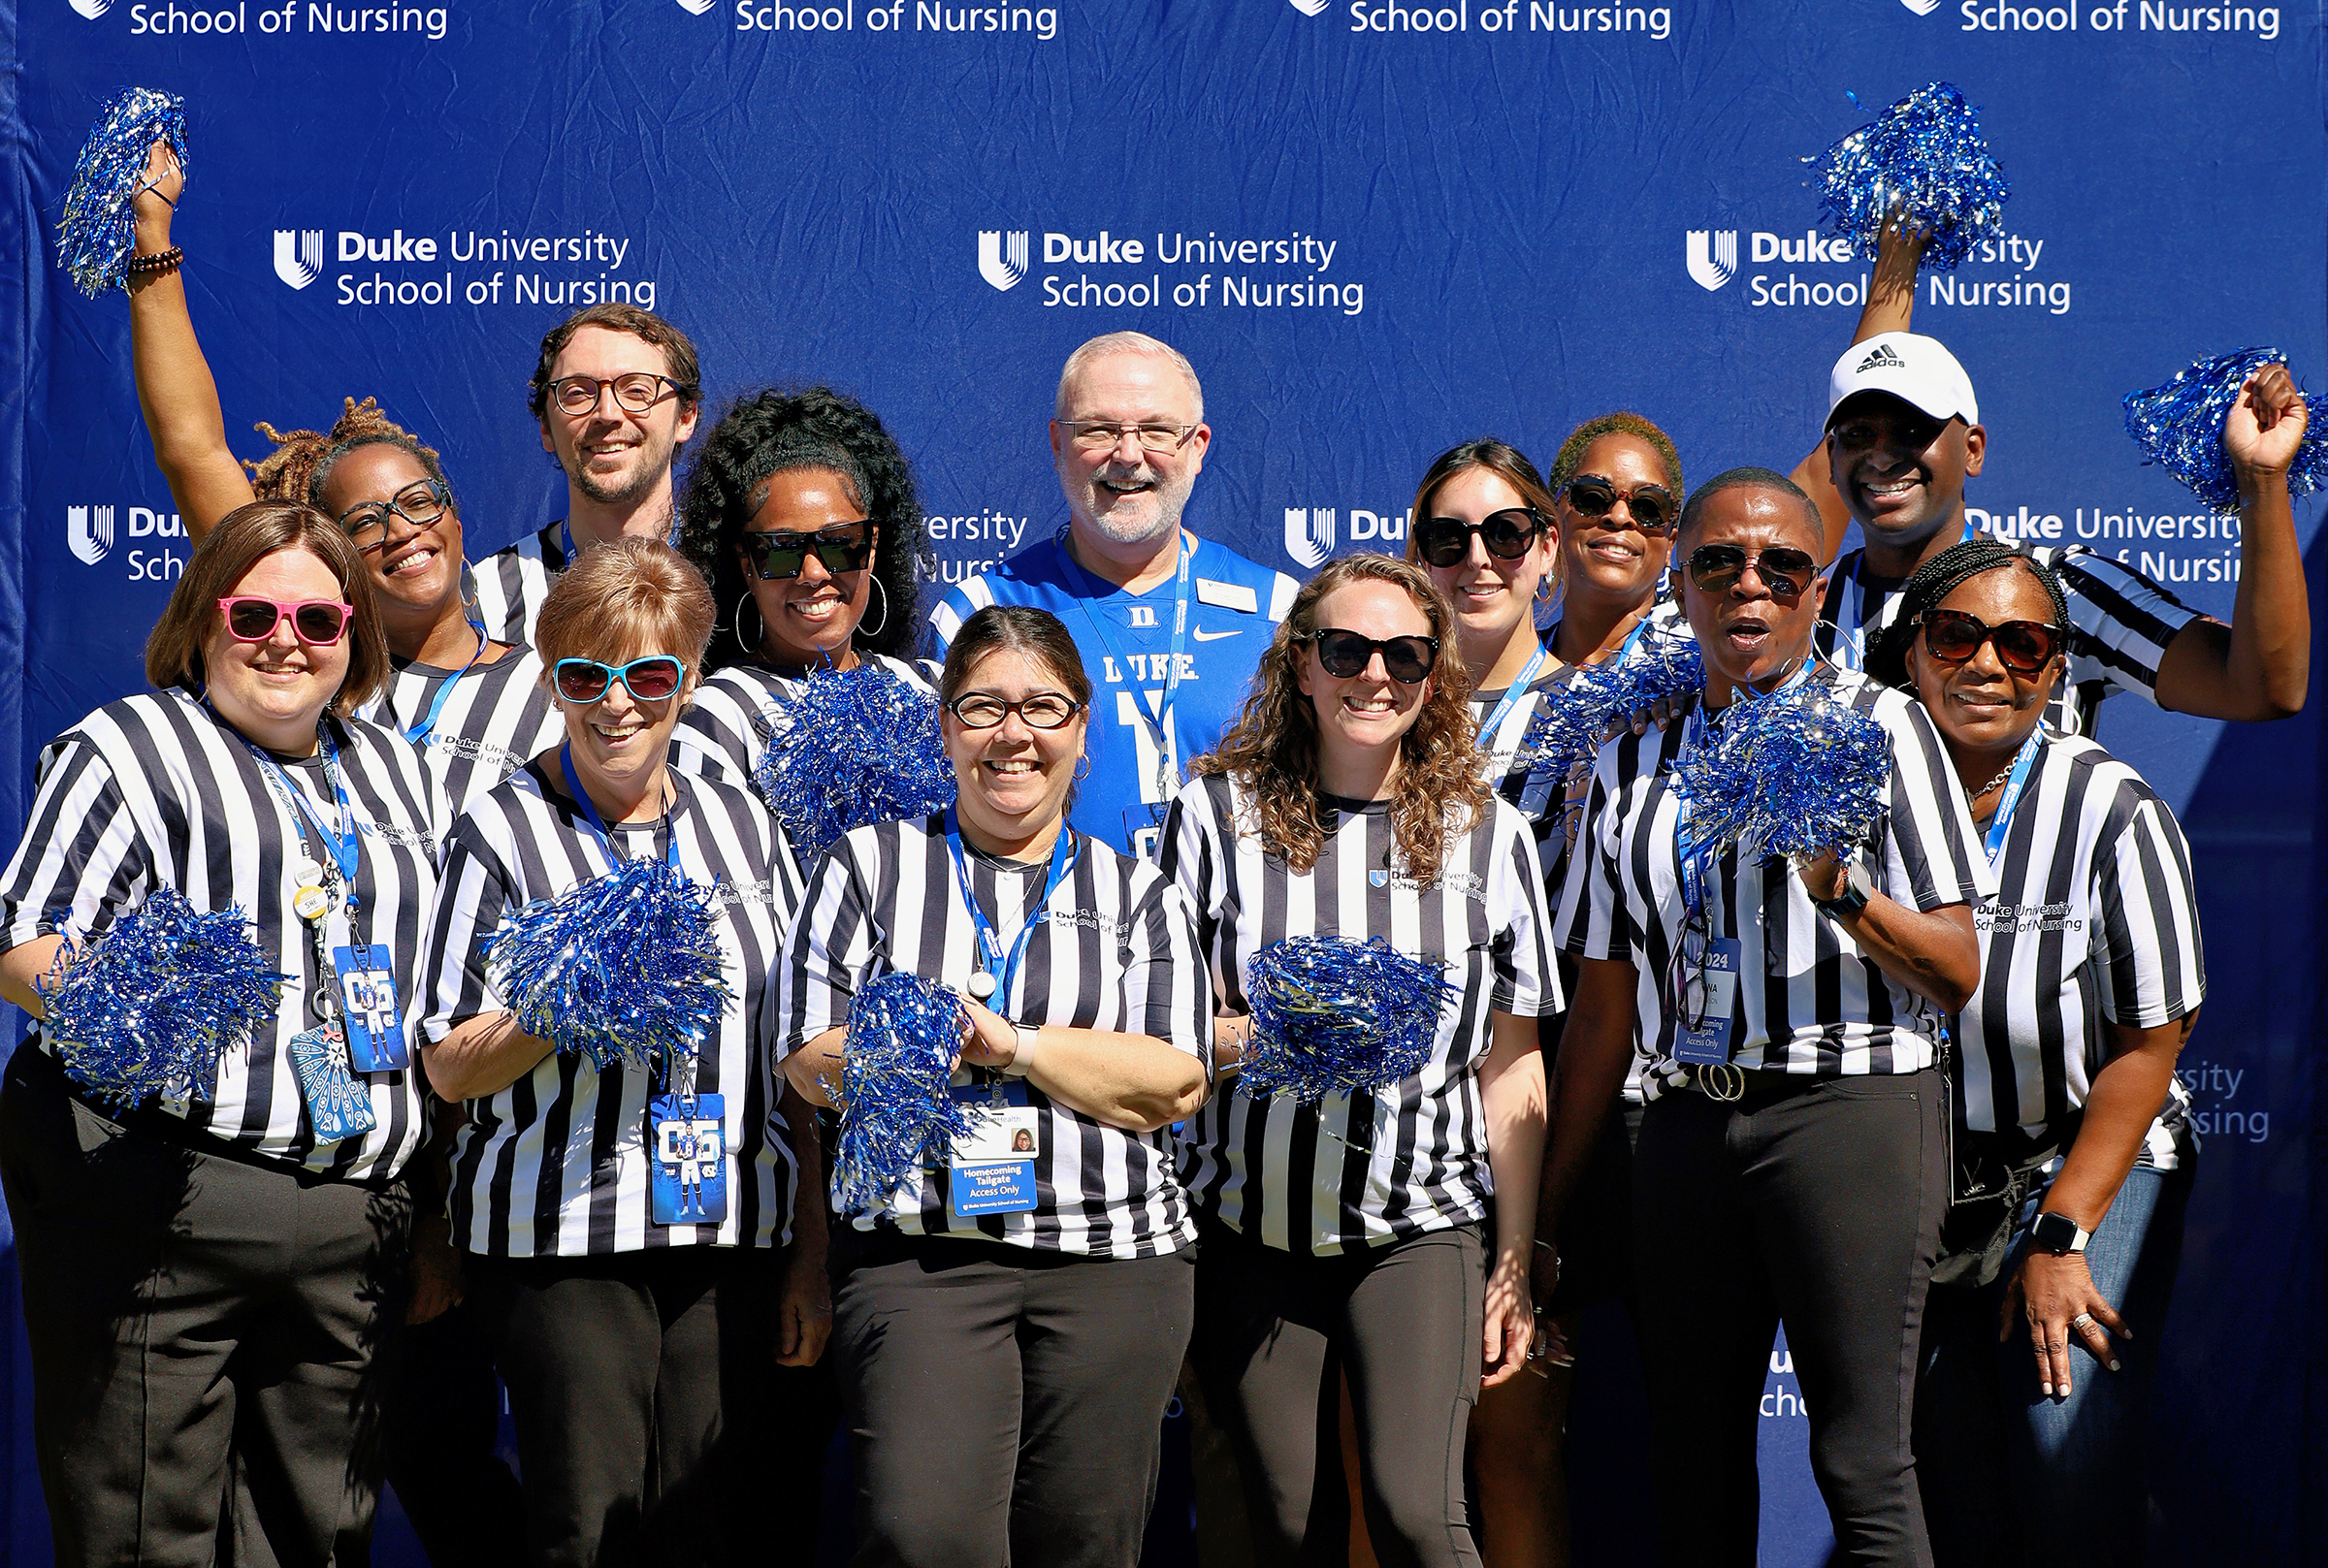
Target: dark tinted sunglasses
x=1716 y=568
x=1651 y=507
x=842 y=548
x=317 y=622
x=1445 y=541
x=2023 y=647
x=650 y=680
x=1344 y=655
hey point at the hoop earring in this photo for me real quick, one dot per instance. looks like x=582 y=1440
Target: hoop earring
x=864 y=631
x=735 y=626
x=468 y=584
x=1545 y=586
x=1083 y=767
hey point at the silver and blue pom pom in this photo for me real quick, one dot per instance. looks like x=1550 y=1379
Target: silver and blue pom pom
x=1334 y=1016
x=1577 y=717
x=1797 y=772
x=151 y=1007
x=2180 y=428
x=905 y=1033
x=624 y=968
x=854 y=746
x=1924 y=162
x=98 y=232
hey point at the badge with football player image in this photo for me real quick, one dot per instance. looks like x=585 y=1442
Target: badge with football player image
x=686 y=1137
x=339 y=1103
x=992 y=1170
x=368 y=1007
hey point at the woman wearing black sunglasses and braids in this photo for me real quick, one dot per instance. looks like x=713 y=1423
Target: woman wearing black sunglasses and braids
x=2074 y=1151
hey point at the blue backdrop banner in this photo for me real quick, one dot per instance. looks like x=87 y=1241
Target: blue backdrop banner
x=1376 y=229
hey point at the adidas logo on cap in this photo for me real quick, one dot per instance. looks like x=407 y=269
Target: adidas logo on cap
x=1884 y=357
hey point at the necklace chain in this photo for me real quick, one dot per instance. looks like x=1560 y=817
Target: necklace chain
x=2002 y=774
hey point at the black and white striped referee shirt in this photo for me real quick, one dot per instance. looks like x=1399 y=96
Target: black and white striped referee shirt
x=1114 y=949
x=2095 y=921
x=2121 y=623
x=1821 y=1009
x=512 y=583
x=1365 y=1169
x=728 y=723
x=556 y=1164
x=496 y=718
x=156 y=791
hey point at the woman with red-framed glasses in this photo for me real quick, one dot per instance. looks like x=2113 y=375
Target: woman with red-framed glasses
x=207 y=1277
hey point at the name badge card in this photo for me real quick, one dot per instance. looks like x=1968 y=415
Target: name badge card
x=687 y=1137
x=338 y=1102
x=1707 y=1041
x=992 y=1170
x=1144 y=830
x=375 y=1024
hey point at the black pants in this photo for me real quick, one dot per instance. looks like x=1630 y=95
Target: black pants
x=652 y=1426
x=203 y=1330
x=1403 y=1321
x=1816 y=1205
x=1005 y=1406
x=444 y=1428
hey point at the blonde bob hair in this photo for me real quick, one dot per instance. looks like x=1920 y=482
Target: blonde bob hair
x=627 y=599
x=243 y=537
x=1272 y=750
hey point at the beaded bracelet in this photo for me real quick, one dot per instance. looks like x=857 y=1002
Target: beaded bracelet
x=160 y=262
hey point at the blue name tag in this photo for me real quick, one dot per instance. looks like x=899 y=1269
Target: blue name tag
x=1143 y=829
x=368 y=1005
x=992 y=1167
x=1707 y=1000
x=687 y=1144
x=339 y=1104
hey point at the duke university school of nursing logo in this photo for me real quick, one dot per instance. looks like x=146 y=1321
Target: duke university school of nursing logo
x=299 y=256
x=89 y=529
x=92 y=9
x=1713 y=255
x=1309 y=534
x=1002 y=257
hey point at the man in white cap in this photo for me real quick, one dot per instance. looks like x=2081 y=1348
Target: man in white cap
x=1904 y=432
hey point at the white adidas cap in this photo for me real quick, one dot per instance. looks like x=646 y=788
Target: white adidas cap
x=1910 y=366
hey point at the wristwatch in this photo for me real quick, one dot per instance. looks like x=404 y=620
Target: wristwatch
x=2058 y=1234
x=1024 y=1057
x=1854 y=898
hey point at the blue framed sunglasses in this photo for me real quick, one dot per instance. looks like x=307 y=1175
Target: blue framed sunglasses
x=652 y=679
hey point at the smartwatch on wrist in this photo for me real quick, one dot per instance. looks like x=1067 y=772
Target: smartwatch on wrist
x=2058 y=1234
x=1023 y=1058
x=1854 y=898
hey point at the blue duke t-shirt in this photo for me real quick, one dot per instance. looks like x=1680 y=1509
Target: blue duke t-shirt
x=1234 y=607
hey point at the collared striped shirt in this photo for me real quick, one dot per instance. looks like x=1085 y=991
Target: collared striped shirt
x=2095 y=921
x=2121 y=623
x=496 y=718
x=1114 y=949
x=512 y=583
x=557 y=1164
x=156 y=791
x=1808 y=1001
x=1361 y=1171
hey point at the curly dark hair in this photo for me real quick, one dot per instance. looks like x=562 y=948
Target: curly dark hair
x=1271 y=750
x=302 y=461
x=1620 y=423
x=767 y=432
x=1887 y=659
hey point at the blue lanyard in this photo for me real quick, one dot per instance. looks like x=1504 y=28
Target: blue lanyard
x=1512 y=693
x=1157 y=719
x=2022 y=766
x=993 y=959
x=419 y=733
x=670 y=838
x=344 y=841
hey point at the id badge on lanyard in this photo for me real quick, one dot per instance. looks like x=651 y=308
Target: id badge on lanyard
x=369 y=1008
x=1702 y=1032
x=992 y=1170
x=687 y=1138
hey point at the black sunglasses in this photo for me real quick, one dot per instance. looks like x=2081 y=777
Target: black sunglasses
x=1345 y=655
x=1651 y=507
x=2023 y=647
x=1716 y=568
x=1445 y=541
x=842 y=548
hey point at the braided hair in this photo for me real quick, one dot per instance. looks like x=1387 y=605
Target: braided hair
x=1620 y=423
x=302 y=461
x=769 y=432
x=1887 y=659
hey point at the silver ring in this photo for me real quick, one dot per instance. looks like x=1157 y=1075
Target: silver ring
x=2083 y=1320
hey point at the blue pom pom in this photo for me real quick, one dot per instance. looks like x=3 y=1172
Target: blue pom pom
x=99 y=230
x=2180 y=427
x=149 y=1008
x=625 y=967
x=854 y=746
x=1925 y=157
x=1333 y=1016
x=1576 y=719
x=904 y=1035
x=1796 y=772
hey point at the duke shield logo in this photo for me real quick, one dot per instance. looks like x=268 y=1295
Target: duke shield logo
x=702 y=7
x=1313 y=8
x=299 y=256
x=92 y=9
x=1922 y=8
x=1002 y=257
x=89 y=532
x=1309 y=533
x=1713 y=256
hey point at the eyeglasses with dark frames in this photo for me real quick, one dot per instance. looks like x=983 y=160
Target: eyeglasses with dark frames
x=419 y=504
x=635 y=392
x=983 y=710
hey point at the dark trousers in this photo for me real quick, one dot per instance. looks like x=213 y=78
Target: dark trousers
x=650 y=1417
x=204 y=1332
x=1818 y=1205
x=443 y=1429
x=1402 y=1321
x=1005 y=1406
